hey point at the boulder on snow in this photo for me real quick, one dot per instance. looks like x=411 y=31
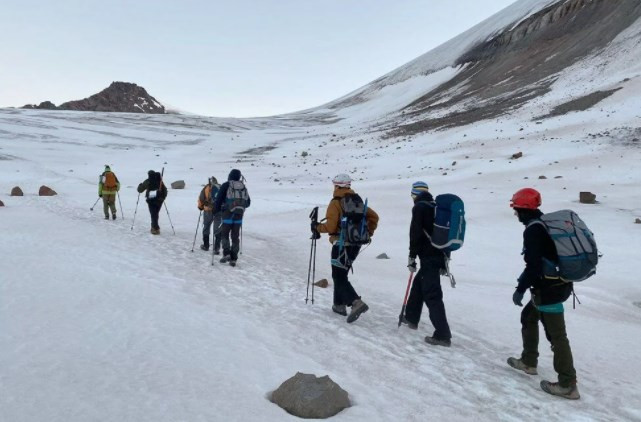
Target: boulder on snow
x=178 y=184
x=16 y=191
x=323 y=283
x=1 y=204
x=382 y=256
x=517 y=155
x=46 y=191
x=587 y=198
x=542 y=177
x=637 y=221
x=311 y=397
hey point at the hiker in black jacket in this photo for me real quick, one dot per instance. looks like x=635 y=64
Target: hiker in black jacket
x=548 y=294
x=427 y=283
x=155 y=194
x=232 y=199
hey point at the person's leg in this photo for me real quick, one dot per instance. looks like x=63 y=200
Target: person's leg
x=154 y=211
x=218 y=220
x=343 y=291
x=112 y=203
x=554 y=325
x=530 y=335
x=208 y=218
x=433 y=297
x=235 y=240
x=226 y=229
x=105 y=205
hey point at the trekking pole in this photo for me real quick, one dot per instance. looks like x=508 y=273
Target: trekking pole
x=312 y=256
x=196 y=234
x=169 y=217
x=313 y=269
x=94 y=204
x=135 y=212
x=407 y=292
x=449 y=274
x=120 y=203
x=241 y=239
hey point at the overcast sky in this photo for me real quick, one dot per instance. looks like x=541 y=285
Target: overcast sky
x=219 y=58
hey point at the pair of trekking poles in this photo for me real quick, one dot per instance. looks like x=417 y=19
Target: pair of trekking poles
x=166 y=209
x=122 y=213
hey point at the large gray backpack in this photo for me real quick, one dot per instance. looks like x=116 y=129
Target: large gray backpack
x=237 y=197
x=575 y=245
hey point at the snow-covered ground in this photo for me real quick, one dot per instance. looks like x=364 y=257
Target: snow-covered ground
x=101 y=322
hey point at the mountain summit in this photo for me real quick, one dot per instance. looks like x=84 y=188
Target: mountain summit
x=121 y=97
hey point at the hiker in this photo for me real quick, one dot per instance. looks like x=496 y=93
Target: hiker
x=426 y=287
x=547 y=297
x=108 y=188
x=206 y=205
x=155 y=193
x=345 y=249
x=231 y=200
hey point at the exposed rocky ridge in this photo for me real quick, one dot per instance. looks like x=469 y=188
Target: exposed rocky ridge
x=519 y=64
x=121 y=97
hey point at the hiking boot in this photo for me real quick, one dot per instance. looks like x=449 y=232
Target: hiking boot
x=204 y=247
x=445 y=342
x=358 y=307
x=113 y=217
x=410 y=325
x=225 y=259
x=155 y=231
x=340 y=309
x=216 y=252
x=232 y=262
x=106 y=217
x=519 y=365
x=554 y=388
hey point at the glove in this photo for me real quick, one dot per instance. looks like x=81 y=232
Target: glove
x=200 y=208
x=314 y=226
x=517 y=298
x=442 y=272
x=316 y=235
x=99 y=195
x=411 y=264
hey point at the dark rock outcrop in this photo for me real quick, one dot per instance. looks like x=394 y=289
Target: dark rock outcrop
x=587 y=198
x=16 y=191
x=178 y=184
x=1 y=204
x=121 y=97
x=46 y=191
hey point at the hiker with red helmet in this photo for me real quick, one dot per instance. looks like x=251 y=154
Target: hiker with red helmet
x=350 y=223
x=546 y=305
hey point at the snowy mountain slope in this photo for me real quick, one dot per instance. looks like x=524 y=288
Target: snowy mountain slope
x=101 y=322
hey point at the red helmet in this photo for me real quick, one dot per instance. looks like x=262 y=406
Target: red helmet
x=526 y=198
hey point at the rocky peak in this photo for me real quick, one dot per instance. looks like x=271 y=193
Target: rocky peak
x=121 y=97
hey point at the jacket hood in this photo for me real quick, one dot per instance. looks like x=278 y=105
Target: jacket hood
x=424 y=197
x=527 y=215
x=341 y=192
x=234 y=175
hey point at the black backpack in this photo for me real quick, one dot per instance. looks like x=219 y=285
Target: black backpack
x=353 y=225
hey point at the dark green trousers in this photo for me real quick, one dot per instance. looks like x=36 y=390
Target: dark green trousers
x=554 y=326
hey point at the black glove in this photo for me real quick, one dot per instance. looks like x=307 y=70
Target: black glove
x=99 y=195
x=517 y=298
x=411 y=264
x=316 y=235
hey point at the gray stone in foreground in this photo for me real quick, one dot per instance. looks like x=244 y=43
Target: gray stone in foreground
x=16 y=191
x=382 y=256
x=637 y=221
x=1 y=204
x=311 y=397
x=178 y=184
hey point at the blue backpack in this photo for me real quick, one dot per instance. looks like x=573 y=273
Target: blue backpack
x=449 y=223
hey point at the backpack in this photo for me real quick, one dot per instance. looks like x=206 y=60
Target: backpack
x=575 y=246
x=109 y=181
x=449 y=223
x=353 y=224
x=237 y=197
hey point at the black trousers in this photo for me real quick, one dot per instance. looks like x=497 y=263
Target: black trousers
x=427 y=289
x=344 y=293
x=154 y=211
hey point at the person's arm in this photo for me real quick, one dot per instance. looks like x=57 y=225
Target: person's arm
x=249 y=201
x=220 y=195
x=332 y=216
x=117 y=183
x=533 y=245
x=143 y=186
x=416 y=231
x=100 y=185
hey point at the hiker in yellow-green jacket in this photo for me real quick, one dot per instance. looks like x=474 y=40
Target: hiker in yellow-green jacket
x=108 y=187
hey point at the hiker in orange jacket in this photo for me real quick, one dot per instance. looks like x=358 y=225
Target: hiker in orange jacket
x=108 y=187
